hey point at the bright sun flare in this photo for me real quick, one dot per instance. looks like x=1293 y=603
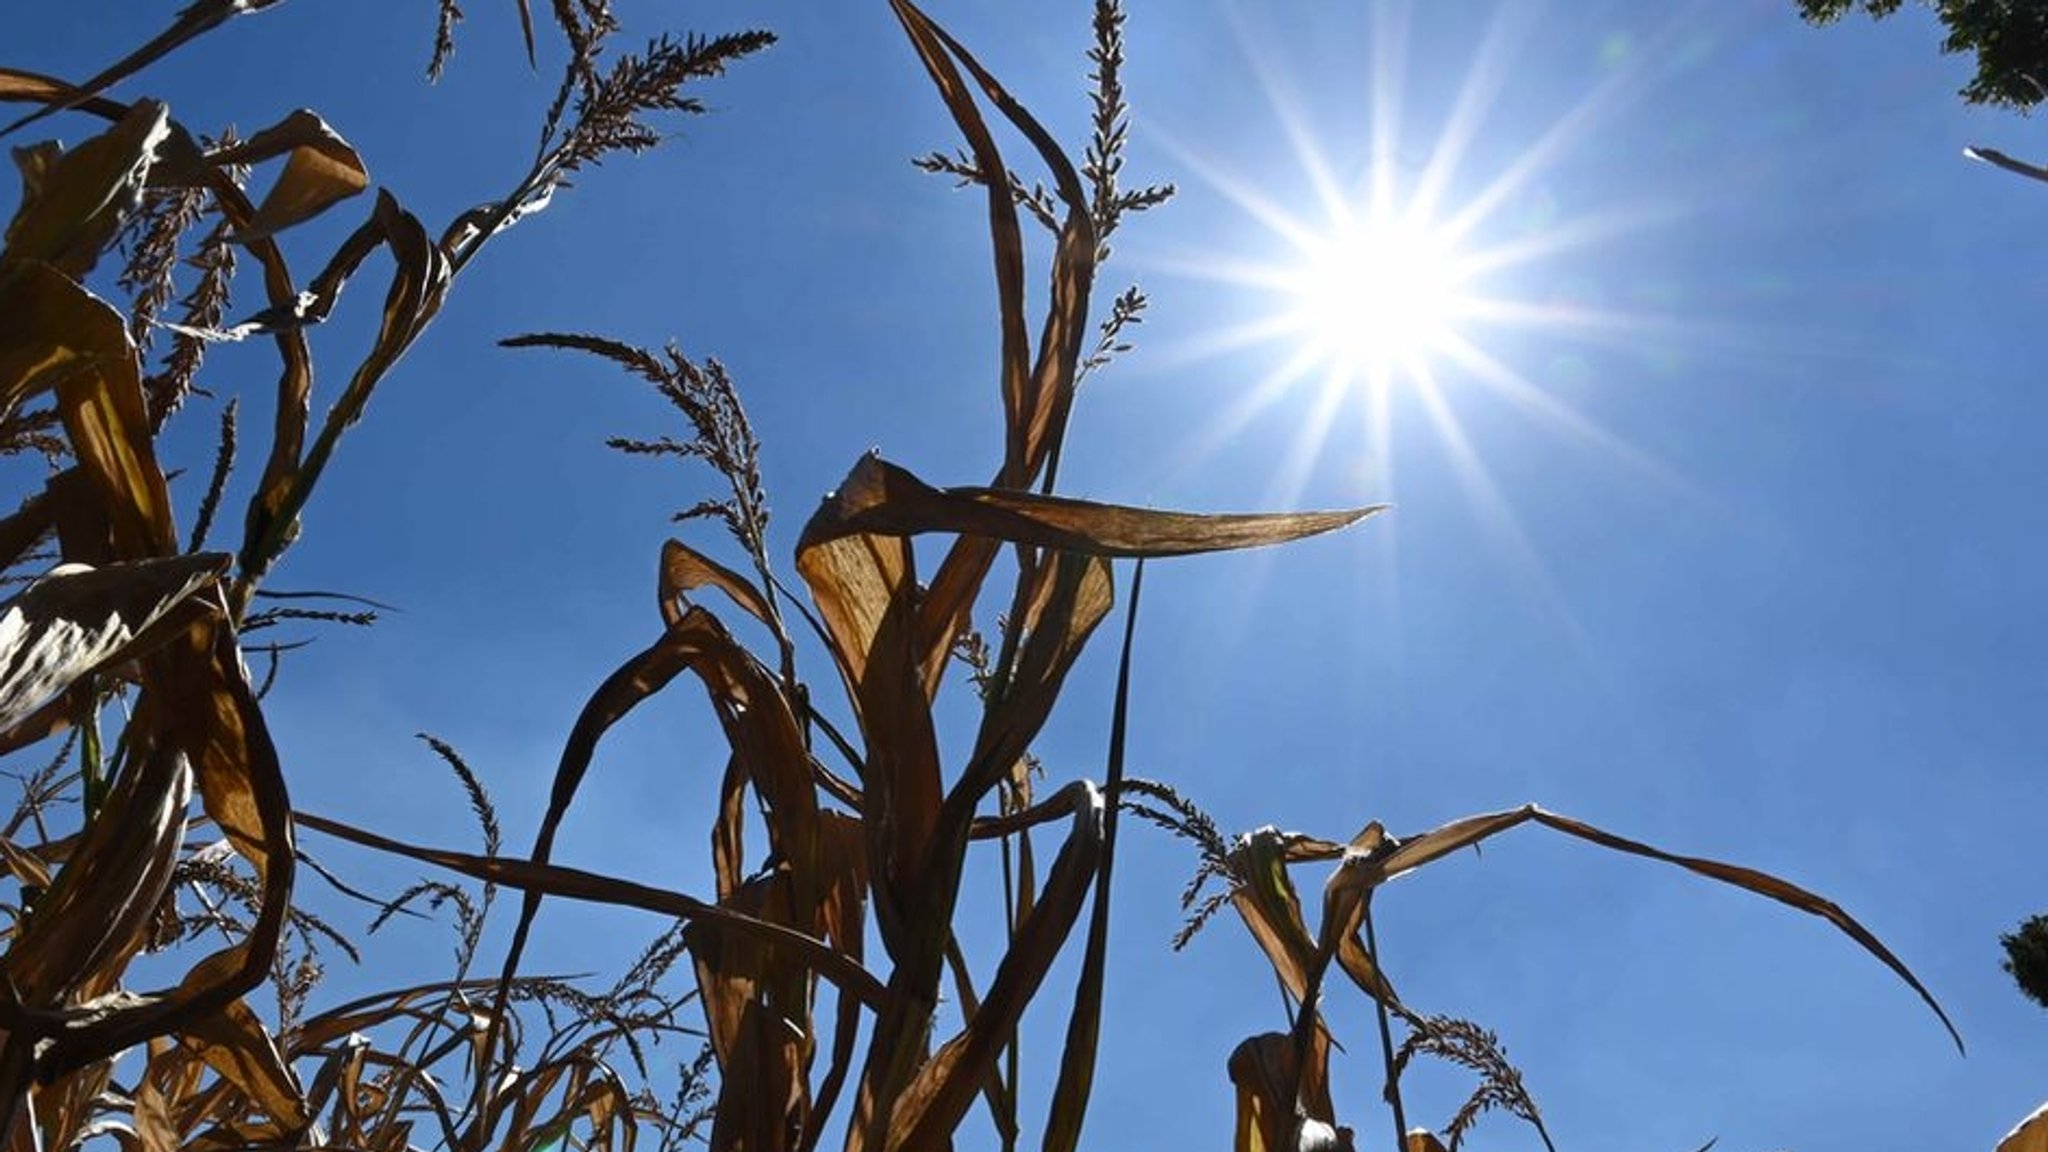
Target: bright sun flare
x=1379 y=296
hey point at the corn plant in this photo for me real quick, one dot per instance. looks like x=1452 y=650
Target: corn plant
x=128 y=661
x=854 y=885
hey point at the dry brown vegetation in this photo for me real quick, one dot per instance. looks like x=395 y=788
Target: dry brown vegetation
x=158 y=817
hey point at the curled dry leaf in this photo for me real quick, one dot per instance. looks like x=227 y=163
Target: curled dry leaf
x=77 y=620
x=321 y=169
x=684 y=569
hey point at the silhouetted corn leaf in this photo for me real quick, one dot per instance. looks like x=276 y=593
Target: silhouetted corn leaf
x=1084 y=1026
x=197 y=706
x=1005 y=236
x=92 y=919
x=192 y=21
x=575 y=884
x=757 y=1015
x=320 y=171
x=418 y=283
x=879 y=497
x=931 y=1108
x=74 y=202
x=1372 y=869
x=77 y=620
x=1074 y=593
x=2030 y=1136
x=1049 y=392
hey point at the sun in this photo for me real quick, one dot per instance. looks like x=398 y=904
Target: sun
x=1376 y=297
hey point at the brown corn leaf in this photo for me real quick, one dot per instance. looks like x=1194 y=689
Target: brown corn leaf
x=684 y=569
x=841 y=855
x=236 y=1045
x=171 y=1074
x=62 y=337
x=575 y=884
x=880 y=498
x=78 y=620
x=2030 y=1136
x=94 y=916
x=1264 y=896
x=756 y=1006
x=1049 y=392
x=192 y=21
x=1073 y=594
x=74 y=203
x=942 y=1091
x=1283 y=1105
x=1344 y=908
x=20 y=85
x=197 y=706
x=865 y=587
x=1084 y=1025
x=633 y=682
x=1409 y=854
x=1004 y=234
x=419 y=282
x=321 y=170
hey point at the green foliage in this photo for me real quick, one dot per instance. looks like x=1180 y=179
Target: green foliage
x=2026 y=958
x=2008 y=37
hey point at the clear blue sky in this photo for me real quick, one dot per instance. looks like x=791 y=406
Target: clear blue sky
x=1751 y=567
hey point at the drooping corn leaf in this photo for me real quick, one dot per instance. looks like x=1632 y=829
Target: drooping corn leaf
x=321 y=169
x=1074 y=594
x=1006 y=237
x=757 y=1009
x=193 y=20
x=1265 y=897
x=196 y=707
x=942 y=1091
x=419 y=282
x=865 y=588
x=94 y=916
x=576 y=884
x=880 y=498
x=107 y=423
x=684 y=569
x=1406 y=855
x=1049 y=392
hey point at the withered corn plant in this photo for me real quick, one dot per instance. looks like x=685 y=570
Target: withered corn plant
x=154 y=814
x=859 y=886
x=863 y=832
